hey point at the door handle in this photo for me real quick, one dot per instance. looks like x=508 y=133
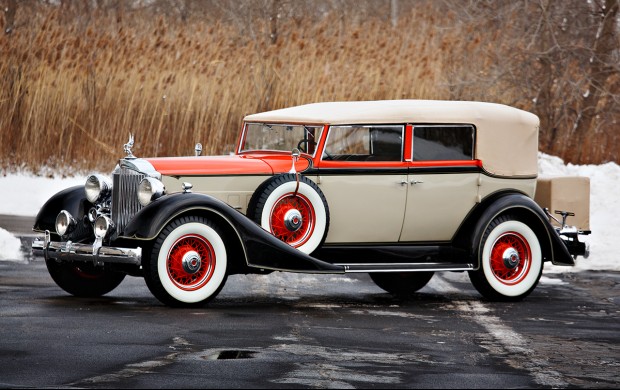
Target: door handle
x=414 y=182
x=403 y=182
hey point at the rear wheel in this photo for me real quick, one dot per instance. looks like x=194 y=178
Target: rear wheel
x=510 y=261
x=401 y=283
x=188 y=263
x=83 y=279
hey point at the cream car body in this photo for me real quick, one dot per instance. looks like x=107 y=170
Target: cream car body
x=399 y=189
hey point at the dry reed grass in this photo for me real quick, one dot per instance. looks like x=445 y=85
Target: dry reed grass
x=70 y=96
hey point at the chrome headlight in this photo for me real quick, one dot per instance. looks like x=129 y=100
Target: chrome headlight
x=65 y=223
x=103 y=226
x=97 y=187
x=149 y=190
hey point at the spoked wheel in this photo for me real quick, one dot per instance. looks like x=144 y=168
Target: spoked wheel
x=295 y=214
x=188 y=263
x=292 y=219
x=401 y=283
x=83 y=279
x=510 y=261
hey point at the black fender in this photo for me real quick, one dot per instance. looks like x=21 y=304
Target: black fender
x=260 y=249
x=523 y=207
x=73 y=200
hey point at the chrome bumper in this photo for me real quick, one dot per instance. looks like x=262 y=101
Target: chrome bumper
x=98 y=254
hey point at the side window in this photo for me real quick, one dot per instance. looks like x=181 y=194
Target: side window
x=364 y=143
x=443 y=142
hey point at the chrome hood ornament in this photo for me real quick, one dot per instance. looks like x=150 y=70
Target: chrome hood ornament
x=127 y=147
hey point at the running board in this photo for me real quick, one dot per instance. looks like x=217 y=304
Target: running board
x=405 y=267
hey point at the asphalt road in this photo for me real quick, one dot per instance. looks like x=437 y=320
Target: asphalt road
x=310 y=331
x=300 y=331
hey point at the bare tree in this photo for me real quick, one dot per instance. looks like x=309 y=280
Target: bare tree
x=394 y=12
x=9 y=20
x=558 y=59
x=273 y=21
x=602 y=66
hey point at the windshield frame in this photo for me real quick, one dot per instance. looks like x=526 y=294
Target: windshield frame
x=320 y=130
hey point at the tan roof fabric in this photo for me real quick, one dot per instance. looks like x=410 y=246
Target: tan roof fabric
x=507 y=138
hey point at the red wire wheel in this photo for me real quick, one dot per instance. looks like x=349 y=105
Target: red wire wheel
x=293 y=219
x=293 y=209
x=511 y=258
x=191 y=262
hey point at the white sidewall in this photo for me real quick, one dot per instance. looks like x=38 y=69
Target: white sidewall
x=220 y=263
x=532 y=277
x=319 y=211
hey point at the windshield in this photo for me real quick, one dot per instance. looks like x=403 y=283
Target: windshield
x=281 y=137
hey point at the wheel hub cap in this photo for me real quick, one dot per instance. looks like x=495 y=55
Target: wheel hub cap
x=293 y=220
x=191 y=262
x=511 y=258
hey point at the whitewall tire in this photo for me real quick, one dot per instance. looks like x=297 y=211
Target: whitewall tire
x=511 y=260
x=188 y=263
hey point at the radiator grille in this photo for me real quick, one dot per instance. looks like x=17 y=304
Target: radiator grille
x=125 y=197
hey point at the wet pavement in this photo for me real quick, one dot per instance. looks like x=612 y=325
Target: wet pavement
x=311 y=331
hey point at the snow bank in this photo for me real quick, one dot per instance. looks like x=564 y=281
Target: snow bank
x=10 y=246
x=604 y=210
x=24 y=194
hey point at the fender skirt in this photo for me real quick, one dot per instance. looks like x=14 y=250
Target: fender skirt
x=262 y=250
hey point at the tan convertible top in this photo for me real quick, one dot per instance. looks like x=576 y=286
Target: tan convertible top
x=507 y=138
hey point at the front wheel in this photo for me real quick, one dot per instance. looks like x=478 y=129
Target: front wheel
x=401 y=283
x=187 y=266
x=510 y=261
x=83 y=279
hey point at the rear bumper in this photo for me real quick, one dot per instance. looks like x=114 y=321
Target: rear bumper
x=98 y=254
x=570 y=237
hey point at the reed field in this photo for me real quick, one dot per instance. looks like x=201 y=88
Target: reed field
x=71 y=93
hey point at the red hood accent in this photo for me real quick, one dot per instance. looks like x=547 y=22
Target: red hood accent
x=225 y=165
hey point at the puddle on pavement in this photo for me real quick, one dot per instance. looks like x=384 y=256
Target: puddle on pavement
x=230 y=355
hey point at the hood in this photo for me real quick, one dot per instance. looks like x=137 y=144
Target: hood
x=225 y=165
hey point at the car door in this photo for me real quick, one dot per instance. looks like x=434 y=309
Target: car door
x=364 y=178
x=443 y=182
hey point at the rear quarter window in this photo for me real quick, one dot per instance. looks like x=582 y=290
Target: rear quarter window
x=443 y=142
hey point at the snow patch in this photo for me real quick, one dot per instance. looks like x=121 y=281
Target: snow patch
x=552 y=281
x=24 y=194
x=10 y=247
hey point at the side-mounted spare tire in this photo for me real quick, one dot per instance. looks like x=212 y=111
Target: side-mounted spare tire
x=296 y=213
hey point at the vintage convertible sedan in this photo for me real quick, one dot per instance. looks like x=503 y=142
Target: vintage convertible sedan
x=397 y=189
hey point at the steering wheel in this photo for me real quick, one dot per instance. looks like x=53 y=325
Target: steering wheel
x=302 y=142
